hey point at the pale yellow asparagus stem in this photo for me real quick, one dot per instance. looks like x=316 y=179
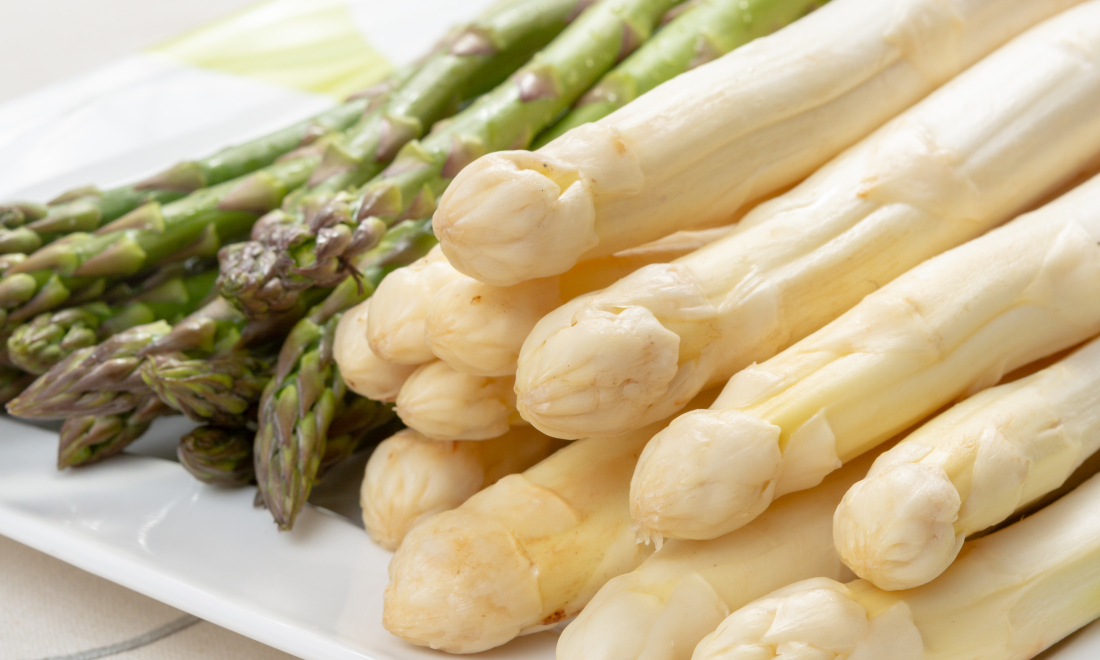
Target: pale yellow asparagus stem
x=410 y=478
x=478 y=328
x=395 y=326
x=660 y=610
x=985 y=146
x=1009 y=596
x=948 y=328
x=364 y=372
x=698 y=149
x=445 y=404
x=521 y=555
x=968 y=469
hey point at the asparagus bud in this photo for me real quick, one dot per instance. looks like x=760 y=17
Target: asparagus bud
x=1010 y=595
x=948 y=328
x=395 y=327
x=87 y=439
x=410 y=478
x=445 y=404
x=364 y=372
x=924 y=183
x=223 y=390
x=218 y=456
x=969 y=469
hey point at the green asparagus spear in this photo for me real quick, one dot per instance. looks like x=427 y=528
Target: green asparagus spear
x=307 y=392
x=89 y=439
x=218 y=455
x=81 y=265
x=106 y=379
x=24 y=227
x=39 y=344
x=223 y=390
x=706 y=30
x=269 y=276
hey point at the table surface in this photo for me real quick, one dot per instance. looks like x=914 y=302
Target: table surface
x=49 y=609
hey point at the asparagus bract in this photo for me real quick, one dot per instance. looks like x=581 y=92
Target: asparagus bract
x=969 y=469
x=507 y=117
x=703 y=31
x=982 y=148
x=950 y=327
x=410 y=478
x=521 y=555
x=196 y=225
x=223 y=390
x=39 y=344
x=699 y=149
x=87 y=439
x=683 y=591
x=218 y=455
x=306 y=392
x=1010 y=595
x=445 y=404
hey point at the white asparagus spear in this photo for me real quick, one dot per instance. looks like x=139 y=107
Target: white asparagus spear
x=395 y=325
x=363 y=371
x=660 y=610
x=1009 y=596
x=969 y=469
x=951 y=326
x=478 y=328
x=410 y=477
x=521 y=555
x=980 y=149
x=445 y=404
x=700 y=148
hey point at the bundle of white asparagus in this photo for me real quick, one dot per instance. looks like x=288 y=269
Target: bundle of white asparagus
x=990 y=143
x=951 y=326
x=1010 y=595
x=663 y=608
x=698 y=149
x=969 y=469
x=522 y=555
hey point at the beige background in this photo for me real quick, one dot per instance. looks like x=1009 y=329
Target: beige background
x=47 y=40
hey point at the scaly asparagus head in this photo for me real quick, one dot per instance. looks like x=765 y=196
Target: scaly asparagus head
x=87 y=439
x=299 y=404
x=223 y=390
x=42 y=342
x=218 y=455
x=506 y=118
x=82 y=265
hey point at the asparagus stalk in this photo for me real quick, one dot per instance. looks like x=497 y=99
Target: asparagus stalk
x=83 y=264
x=985 y=146
x=445 y=404
x=27 y=226
x=702 y=147
x=87 y=439
x=520 y=556
x=949 y=327
x=507 y=117
x=362 y=370
x=106 y=379
x=479 y=329
x=299 y=403
x=410 y=478
x=969 y=469
x=42 y=342
x=704 y=31
x=217 y=455
x=682 y=592
x=1010 y=595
